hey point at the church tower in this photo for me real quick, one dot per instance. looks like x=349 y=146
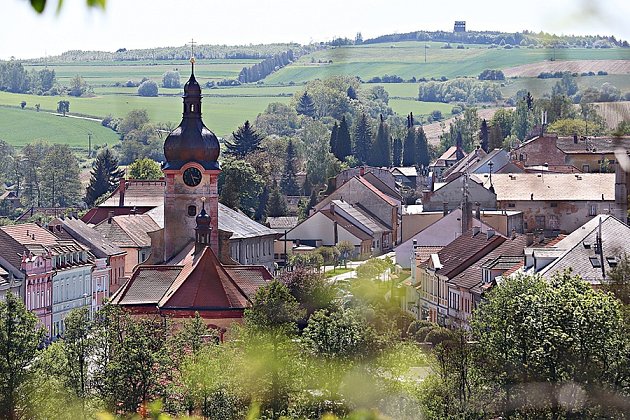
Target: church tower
x=191 y=171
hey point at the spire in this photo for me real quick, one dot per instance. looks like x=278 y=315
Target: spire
x=192 y=56
x=203 y=228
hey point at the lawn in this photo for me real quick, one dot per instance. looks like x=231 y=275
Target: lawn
x=21 y=126
x=221 y=114
x=337 y=271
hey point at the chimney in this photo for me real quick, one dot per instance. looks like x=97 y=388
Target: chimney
x=529 y=239
x=362 y=170
x=476 y=230
x=121 y=191
x=622 y=186
x=541 y=236
x=110 y=216
x=575 y=139
x=332 y=208
x=445 y=208
x=477 y=210
x=513 y=233
x=490 y=233
x=467 y=216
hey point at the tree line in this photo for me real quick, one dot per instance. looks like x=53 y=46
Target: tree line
x=499 y=38
x=536 y=349
x=263 y=69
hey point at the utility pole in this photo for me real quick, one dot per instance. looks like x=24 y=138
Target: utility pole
x=89 y=144
x=425 y=53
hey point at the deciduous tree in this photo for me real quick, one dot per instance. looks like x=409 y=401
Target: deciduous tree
x=145 y=168
x=20 y=337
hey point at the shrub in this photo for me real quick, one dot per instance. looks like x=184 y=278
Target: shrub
x=148 y=88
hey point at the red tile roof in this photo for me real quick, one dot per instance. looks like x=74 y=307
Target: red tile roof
x=30 y=233
x=466 y=250
x=201 y=283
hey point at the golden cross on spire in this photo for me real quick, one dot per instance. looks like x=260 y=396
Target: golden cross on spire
x=192 y=50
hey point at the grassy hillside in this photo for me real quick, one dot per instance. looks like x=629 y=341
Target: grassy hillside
x=406 y=59
x=21 y=126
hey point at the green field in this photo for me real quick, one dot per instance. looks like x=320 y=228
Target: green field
x=221 y=114
x=109 y=73
x=419 y=109
x=52 y=128
x=225 y=108
x=406 y=59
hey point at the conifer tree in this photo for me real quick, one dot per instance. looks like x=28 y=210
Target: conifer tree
x=422 y=149
x=333 y=139
x=263 y=203
x=397 y=148
x=277 y=205
x=409 y=146
x=362 y=139
x=105 y=176
x=288 y=183
x=344 y=143
x=305 y=105
x=483 y=136
x=246 y=140
x=380 y=152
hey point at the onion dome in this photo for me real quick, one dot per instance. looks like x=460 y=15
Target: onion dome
x=191 y=141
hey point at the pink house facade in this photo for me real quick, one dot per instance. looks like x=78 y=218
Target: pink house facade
x=38 y=293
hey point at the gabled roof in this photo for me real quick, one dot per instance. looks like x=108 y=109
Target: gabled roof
x=577 y=250
x=511 y=247
x=11 y=250
x=138 y=193
x=30 y=233
x=128 y=231
x=282 y=222
x=92 y=238
x=465 y=250
x=408 y=171
x=365 y=221
x=390 y=200
x=381 y=186
x=146 y=286
x=593 y=144
x=249 y=278
x=230 y=220
x=555 y=187
x=240 y=224
x=345 y=224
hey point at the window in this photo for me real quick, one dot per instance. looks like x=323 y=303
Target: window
x=554 y=204
x=540 y=222
x=192 y=211
x=592 y=211
x=595 y=262
x=511 y=205
x=586 y=168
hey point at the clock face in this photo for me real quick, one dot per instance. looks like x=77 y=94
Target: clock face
x=192 y=177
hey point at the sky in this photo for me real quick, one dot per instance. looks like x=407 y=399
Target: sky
x=156 y=23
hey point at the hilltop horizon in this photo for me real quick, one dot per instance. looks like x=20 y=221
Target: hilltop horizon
x=127 y=24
